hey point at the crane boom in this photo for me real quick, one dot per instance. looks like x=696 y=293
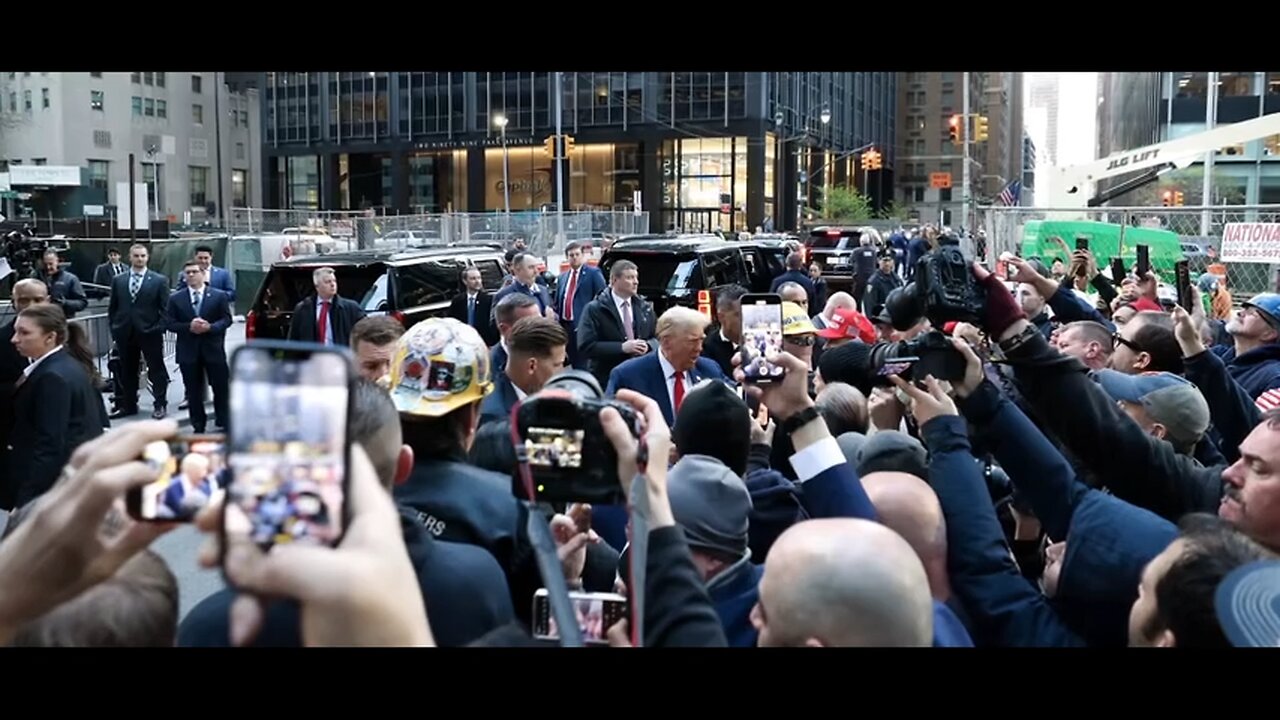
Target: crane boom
x=1072 y=186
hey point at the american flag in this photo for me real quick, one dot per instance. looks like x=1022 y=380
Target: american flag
x=1269 y=400
x=1011 y=193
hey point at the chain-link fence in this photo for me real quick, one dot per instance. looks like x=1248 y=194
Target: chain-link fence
x=539 y=231
x=1171 y=234
x=338 y=223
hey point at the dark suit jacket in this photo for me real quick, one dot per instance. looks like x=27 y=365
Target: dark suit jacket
x=590 y=284
x=343 y=315
x=717 y=350
x=644 y=375
x=600 y=334
x=538 y=293
x=102 y=275
x=215 y=307
x=219 y=278
x=55 y=411
x=484 y=310
x=143 y=315
x=497 y=404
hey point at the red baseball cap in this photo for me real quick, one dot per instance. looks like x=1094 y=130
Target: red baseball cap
x=848 y=323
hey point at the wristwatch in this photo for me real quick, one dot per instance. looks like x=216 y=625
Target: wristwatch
x=799 y=420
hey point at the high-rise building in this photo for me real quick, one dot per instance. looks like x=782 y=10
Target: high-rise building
x=1002 y=159
x=1042 y=112
x=697 y=150
x=1028 y=170
x=81 y=127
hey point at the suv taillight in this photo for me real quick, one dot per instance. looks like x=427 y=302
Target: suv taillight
x=250 y=325
x=704 y=302
x=399 y=316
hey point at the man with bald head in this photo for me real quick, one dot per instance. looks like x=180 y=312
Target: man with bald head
x=843 y=583
x=26 y=293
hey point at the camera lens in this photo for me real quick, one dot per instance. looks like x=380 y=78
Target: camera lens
x=580 y=383
x=903 y=306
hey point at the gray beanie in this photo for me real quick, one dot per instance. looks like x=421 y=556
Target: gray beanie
x=710 y=503
x=892 y=451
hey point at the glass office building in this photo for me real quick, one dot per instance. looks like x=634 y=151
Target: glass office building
x=697 y=150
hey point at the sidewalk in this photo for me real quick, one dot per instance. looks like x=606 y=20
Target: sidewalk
x=177 y=391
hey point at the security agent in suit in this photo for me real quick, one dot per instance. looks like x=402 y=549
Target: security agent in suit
x=200 y=315
x=106 y=272
x=525 y=269
x=474 y=306
x=669 y=374
x=537 y=352
x=26 y=293
x=574 y=291
x=511 y=310
x=139 y=299
x=324 y=317
x=214 y=276
x=603 y=336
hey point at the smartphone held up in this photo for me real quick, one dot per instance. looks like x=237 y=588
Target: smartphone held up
x=761 y=338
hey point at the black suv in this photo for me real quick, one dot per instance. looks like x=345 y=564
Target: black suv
x=683 y=270
x=832 y=248
x=411 y=284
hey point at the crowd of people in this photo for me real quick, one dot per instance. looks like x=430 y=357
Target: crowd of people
x=1094 y=470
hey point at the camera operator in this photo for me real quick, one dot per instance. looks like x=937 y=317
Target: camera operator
x=65 y=289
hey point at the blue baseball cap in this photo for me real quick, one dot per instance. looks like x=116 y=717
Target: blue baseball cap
x=1169 y=399
x=1247 y=603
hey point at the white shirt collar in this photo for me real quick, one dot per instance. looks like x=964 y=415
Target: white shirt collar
x=26 y=372
x=520 y=394
x=668 y=370
x=203 y=290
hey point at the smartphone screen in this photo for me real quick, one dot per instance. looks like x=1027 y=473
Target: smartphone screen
x=596 y=612
x=1117 y=271
x=190 y=472
x=761 y=337
x=897 y=366
x=288 y=444
x=1082 y=243
x=1143 y=264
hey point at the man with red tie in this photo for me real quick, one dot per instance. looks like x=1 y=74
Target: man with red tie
x=324 y=317
x=575 y=289
x=671 y=372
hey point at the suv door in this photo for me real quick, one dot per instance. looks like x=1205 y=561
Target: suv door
x=286 y=285
x=425 y=287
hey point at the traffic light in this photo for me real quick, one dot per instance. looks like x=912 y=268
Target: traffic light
x=953 y=129
x=568 y=145
x=550 y=145
x=871 y=160
x=1177 y=198
x=876 y=161
x=980 y=128
x=1166 y=198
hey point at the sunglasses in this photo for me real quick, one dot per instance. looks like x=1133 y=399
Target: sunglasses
x=802 y=340
x=1117 y=341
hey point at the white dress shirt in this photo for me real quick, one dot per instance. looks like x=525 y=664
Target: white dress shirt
x=669 y=374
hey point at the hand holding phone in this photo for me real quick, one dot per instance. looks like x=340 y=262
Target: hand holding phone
x=1143 y=264
x=761 y=338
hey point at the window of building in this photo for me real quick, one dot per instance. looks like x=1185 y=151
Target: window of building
x=239 y=188
x=197 y=84
x=1273 y=83
x=148 y=78
x=26 y=100
x=136 y=103
x=13 y=102
x=244 y=118
x=160 y=79
x=162 y=109
x=917 y=194
x=95 y=74
x=1190 y=84
x=44 y=97
x=239 y=151
x=915 y=122
x=197 y=114
x=199 y=183
x=1235 y=84
x=38 y=162
x=135 y=78
x=944 y=195
x=95 y=99
x=149 y=107
x=153 y=177
x=99 y=174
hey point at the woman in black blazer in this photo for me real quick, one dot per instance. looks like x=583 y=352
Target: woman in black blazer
x=57 y=405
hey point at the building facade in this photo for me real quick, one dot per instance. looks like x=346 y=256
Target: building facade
x=1028 y=170
x=1245 y=174
x=699 y=151
x=1002 y=101
x=173 y=123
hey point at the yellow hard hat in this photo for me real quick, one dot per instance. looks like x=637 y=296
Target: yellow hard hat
x=440 y=365
x=795 y=321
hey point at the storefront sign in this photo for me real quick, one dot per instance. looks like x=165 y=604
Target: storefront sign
x=1251 y=242
x=44 y=175
x=535 y=187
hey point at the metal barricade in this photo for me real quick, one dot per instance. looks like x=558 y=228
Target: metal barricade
x=1006 y=228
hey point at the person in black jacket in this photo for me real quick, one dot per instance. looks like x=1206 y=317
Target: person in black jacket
x=106 y=272
x=26 y=293
x=604 y=336
x=474 y=305
x=723 y=338
x=56 y=405
x=462 y=585
x=139 y=299
x=65 y=289
x=795 y=273
x=324 y=317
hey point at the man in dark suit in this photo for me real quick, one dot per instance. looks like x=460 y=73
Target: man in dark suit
x=537 y=352
x=511 y=310
x=139 y=299
x=795 y=273
x=26 y=293
x=723 y=338
x=214 y=276
x=574 y=291
x=474 y=306
x=525 y=269
x=324 y=317
x=618 y=324
x=675 y=368
x=200 y=315
x=106 y=272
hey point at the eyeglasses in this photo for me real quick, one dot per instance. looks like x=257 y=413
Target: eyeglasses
x=1117 y=341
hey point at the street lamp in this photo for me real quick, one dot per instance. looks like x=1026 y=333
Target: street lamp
x=501 y=122
x=825 y=115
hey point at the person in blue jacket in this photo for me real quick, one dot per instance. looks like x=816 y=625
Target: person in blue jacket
x=1254 y=359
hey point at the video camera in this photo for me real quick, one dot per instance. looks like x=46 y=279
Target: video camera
x=915 y=359
x=23 y=250
x=563 y=443
x=944 y=290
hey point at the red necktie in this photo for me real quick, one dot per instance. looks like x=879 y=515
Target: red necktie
x=679 y=391
x=568 y=295
x=322 y=329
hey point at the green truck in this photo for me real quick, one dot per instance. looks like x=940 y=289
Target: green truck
x=1106 y=240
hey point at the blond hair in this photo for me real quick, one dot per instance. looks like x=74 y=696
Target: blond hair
x=681 y=318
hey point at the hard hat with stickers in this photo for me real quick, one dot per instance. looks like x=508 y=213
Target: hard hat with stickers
x=440 y=365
